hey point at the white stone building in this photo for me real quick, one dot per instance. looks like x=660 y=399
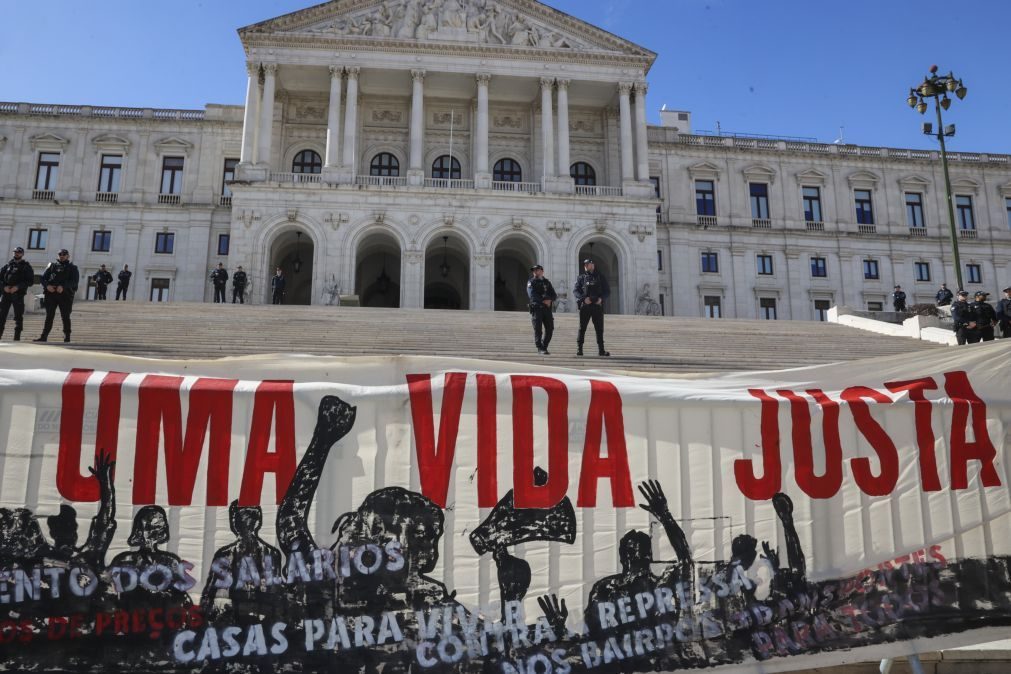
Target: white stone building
x=425 y=154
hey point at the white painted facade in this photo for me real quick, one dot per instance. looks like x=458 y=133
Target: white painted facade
x=482 y=82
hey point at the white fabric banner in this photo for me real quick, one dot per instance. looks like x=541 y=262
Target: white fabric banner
x=417 y=513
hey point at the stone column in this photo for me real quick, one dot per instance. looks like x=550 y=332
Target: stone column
x=563 y=182
x=267 y=115
x=641 y=145
x=351 y=121
x=625 y=112
x=248 y=155
x=333 y=120
x=547 y=129
x=482 y=177
x=416 y=172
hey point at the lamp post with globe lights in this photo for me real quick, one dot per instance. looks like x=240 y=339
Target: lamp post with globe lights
x=937 y=87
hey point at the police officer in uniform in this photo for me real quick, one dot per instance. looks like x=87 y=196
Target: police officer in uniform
x=590 y=291
x=986 y=317
x=102 y=279
x=15 y=278
x=965 y=319
x=220 y=279
x=277 y=284
x=239 y=286
x=541 y=294
x=60 y=283
x=898 y=299
x=1004 y=314
x=124 y=282
x=943 y=296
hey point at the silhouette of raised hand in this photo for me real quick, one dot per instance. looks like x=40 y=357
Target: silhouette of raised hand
x=335 y=419
x=103 y=468
x=656 y=500
x=770 y=554
x=556 y=612
x=783 y=505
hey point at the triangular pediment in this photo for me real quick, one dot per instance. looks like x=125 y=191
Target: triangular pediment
x=49 y=141
x=811 y=176
x=965 y=185
x=173 y=144
x=704 y=170
x=759 y=173
x=500 y=24
x=915 y=182
x=862 y=179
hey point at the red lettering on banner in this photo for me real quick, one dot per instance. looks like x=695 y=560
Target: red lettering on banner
x=765 y=487
x=924 y=431
x=71 y=484
x=528 y=494
x=828 y=484
x=435 y=461
x=966 y=402
x=273 y=405
x=487 y=442
x=605 y=410
x=883 y=483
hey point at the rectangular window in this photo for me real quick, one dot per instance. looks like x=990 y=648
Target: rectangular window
x=974 y=272
x=655 y=182
x=812 y=204
x=767 y=308
x=764 y=265
x=1007 y=203
x=871 y=270
x=659 y=260
x=865 y=210
x=109 y=173
x=713 y=307
x=160 y=289
x=821 y=308
x=37 y=239
x=875 y=306
x=759 y=200
x=164 y=242
x=101 y=242
x=710 y=263
x=963 y=212
x=229 y=175
x=705 y=197
x=818 y=267
x=172 y=175
x=223 y=242
x=922 y=271
x=48 y=171
x=914 y=209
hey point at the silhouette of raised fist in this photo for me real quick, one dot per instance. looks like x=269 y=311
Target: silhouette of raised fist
x=783 y=505
x=335 y=419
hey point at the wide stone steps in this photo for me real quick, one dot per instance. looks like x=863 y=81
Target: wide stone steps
x=657 y=344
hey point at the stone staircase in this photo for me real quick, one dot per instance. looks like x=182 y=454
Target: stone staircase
x=645 y=344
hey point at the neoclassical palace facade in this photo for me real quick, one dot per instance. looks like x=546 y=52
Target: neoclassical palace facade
x=425 y=154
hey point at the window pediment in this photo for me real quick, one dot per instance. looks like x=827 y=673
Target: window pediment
x=49 y=141
x=110 y=143
x=705 y=171
x=173 y=145
x=759 y=173
x=863 y=179
x=1005 y=190
x=915 y=183
x=965 y=186
x=811 y=176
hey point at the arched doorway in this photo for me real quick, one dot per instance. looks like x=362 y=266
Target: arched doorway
x=514 y=256
x=447 y=273
x=293 y=252
x=607 y=262
x=377 y=271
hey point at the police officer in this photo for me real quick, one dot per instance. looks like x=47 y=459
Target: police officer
x=965 y=319
x=1004 y=314
x=102 y=279
x=239 y=286
x=15 y=278
x=60 y=283
x=277 y=284
x=943 y=296
x=220 y=279
x=898 y=299
x=590 y=291
x=541 y=294
x=124 y=282
x=986 y=317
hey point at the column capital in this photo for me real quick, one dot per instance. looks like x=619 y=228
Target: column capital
x=624 y=88
x=641 y=88
x=547 y=82
x=563 y=84
x=483 y=78
x=270 y=69
x=252 y=68
x=336 y=72
x=353 y=72
x=418 y=75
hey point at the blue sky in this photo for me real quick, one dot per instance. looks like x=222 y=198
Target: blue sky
x=780 y=67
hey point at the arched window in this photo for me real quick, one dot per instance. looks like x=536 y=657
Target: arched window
x=583 y=173
x=307 y=161
x=446 y=167
x=507 y=171
x=384 y=164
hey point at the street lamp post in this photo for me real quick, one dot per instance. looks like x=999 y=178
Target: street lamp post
x=937 y=87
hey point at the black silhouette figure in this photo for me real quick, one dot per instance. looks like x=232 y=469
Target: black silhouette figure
x=63 y=527
x=251 y=597
x=150 y=529
x=22 y=542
